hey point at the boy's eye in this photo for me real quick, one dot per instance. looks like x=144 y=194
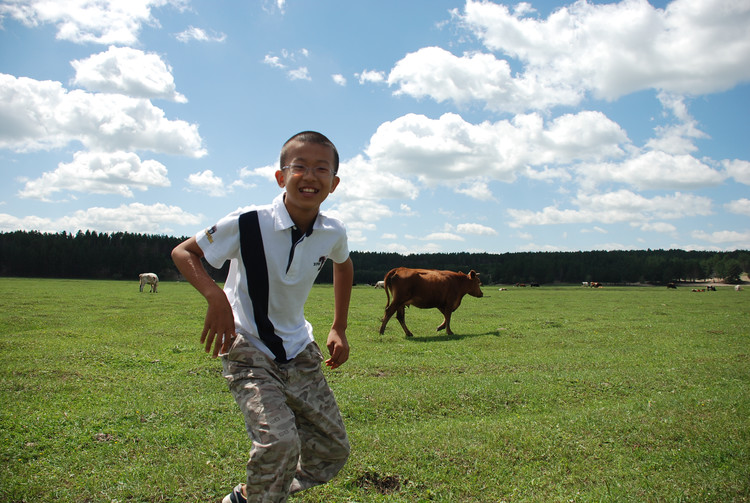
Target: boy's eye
x=319 y=171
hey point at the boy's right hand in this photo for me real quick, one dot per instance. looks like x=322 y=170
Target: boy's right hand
x=218 y=329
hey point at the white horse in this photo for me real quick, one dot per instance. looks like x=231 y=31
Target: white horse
x=149 y=278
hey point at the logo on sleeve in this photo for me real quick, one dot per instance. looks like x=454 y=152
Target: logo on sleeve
x=209 y=233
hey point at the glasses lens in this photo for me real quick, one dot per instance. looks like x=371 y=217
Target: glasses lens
x=319 y=171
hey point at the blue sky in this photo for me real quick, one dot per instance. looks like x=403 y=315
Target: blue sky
x=461 y=125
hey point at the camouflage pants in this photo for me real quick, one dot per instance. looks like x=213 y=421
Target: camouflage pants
x=292 y=418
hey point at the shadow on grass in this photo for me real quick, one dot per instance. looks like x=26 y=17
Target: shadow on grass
x=442 y=336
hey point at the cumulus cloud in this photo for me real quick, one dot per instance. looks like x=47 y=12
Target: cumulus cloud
x=615 y=207
x=738 y=169
x=739 y=207
x=724 y=237
x=41 y=115
x=89 y=21
x=436 y=73
x=615 y=49
x=449 y=148
x=339 y=79
x=99 y=173
x=655 y=170
x=127 y=71
x=136 y=218
x=207 y=182
x=370 y=76
x=476 y=229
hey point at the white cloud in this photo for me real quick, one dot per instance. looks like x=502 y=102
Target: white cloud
x=449 y=148
x=615 y=207
x=287 y=59
x=616 y=49
x=655 y=170
x=476 y=229
x=127 y=71
x=274 y=61
x=89 y=21
x=136 y=218
x=300 y=73
x=738 y=169
x=370 y=76
x=742 y=239
x=661 y=227
x=476 y=189
x=199 y=34
x=436 y=73
x=739 y=207
x=339 y=79
x=363 y=180
x=443 y=236
x=99 y=173
x=208 y=183
x=40 y=115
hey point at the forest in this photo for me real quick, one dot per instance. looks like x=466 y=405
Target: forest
x=122 y=256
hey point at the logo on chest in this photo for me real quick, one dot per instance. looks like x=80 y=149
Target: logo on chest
x=320 y=262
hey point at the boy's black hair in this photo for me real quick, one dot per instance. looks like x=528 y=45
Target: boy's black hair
x=311 y=137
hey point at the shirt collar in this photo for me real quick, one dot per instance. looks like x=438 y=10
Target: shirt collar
x=282 y=220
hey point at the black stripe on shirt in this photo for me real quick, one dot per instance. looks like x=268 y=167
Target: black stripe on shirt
x=256 y=269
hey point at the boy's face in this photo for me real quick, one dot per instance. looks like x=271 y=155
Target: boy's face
x=307 y=184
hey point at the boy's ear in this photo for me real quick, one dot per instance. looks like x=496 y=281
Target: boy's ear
x=335 y=183
x=280 y=178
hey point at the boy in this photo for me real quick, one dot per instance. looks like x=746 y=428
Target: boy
x=257 y=323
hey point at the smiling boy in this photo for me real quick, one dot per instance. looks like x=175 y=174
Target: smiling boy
x=256 y=323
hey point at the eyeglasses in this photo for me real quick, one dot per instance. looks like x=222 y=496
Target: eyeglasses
x=318 y=171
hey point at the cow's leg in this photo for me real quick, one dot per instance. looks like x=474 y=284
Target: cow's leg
x=400 y=316
x=446 y=322
x=389 y=310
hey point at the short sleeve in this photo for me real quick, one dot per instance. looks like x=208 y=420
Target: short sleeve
x=340 y=251
x=220 y=242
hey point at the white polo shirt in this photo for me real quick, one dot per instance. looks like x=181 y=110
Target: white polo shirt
x=268 y=294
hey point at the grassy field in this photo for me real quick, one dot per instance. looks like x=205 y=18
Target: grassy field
x=544 y=394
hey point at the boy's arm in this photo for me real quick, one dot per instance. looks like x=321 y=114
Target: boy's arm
x=219 y=324
x=338 y=346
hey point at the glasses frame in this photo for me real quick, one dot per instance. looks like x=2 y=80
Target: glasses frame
x=322 y=172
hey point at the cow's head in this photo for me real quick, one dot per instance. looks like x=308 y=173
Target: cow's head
x=474 y=287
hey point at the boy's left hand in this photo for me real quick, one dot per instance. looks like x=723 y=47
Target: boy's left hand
x=338 y=348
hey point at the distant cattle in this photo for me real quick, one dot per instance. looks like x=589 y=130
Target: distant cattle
x=584 y=283
x=534 y=285
x=521 y=284
x=595 y=284
x=150 y=279
x=737 y=288
x=671 y=285
x=380 y=284
x=425 y=289
x=711 y=288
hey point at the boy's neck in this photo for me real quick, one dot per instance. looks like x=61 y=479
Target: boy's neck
x=303 y=220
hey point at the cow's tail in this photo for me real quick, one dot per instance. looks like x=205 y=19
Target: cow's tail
x=388 y=287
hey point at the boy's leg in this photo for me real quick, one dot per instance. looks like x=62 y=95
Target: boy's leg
x=323 y=439
x=256 y=385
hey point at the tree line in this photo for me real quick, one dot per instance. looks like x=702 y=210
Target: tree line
x=122 y=256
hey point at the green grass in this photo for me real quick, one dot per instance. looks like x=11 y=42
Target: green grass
x=544 y=394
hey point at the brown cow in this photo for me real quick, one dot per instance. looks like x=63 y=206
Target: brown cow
x=425 y=289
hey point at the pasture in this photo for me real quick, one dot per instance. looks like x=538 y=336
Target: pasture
x=544 y=394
